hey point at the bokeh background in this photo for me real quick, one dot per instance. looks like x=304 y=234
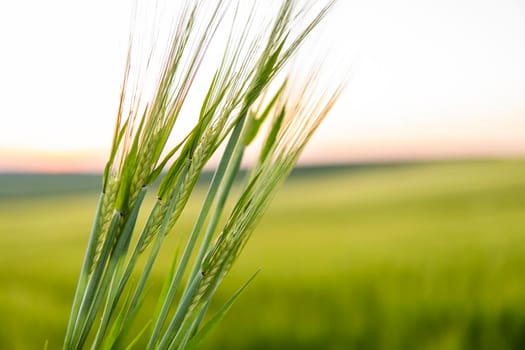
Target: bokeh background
x=403 y=228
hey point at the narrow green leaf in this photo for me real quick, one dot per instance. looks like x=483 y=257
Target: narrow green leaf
x=255 y=122
x=272 y=135
x=128 y=320
x=196 y=341
x=180 y=313
x=123 y=193
x=208 y=95
x=117 y=324
x=118 y=138
x=139 y=335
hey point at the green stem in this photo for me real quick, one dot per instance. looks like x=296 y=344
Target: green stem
x=156 y=245
x=115 y=268
x=228 y=179
x=94 y=281
x=115 y=252
x=208 y=201
x=84 y=275
x=181 y=312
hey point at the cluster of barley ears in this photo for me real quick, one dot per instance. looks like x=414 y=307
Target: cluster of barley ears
x=252 y=94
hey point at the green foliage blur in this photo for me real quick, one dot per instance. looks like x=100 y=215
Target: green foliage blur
x=413 y=256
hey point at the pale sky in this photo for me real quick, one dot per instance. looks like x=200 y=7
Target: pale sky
x=430 y=79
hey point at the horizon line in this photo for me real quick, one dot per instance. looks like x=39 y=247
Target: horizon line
x=386 y=161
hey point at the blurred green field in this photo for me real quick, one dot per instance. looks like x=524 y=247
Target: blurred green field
x=422 y=256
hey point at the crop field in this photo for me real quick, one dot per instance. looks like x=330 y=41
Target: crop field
x=414 y=256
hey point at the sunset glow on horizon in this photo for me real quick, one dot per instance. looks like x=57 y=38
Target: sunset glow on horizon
x=429 y=80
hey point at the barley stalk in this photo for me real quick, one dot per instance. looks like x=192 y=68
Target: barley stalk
x=253 y=84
